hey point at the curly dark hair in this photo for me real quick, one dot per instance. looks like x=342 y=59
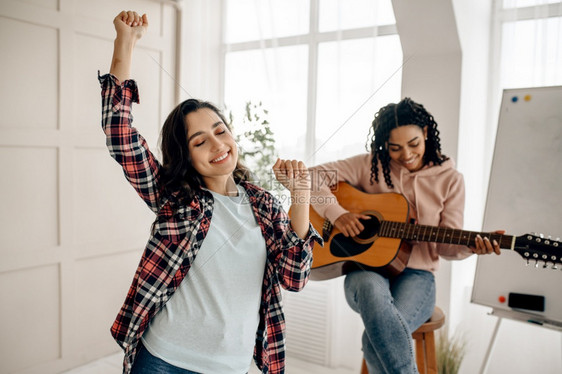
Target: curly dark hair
x=405 y=112
x=178 y=173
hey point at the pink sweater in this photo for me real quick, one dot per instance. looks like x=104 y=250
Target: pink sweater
x=435 y=195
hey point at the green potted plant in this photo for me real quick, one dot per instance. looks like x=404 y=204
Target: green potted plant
x=450 y=351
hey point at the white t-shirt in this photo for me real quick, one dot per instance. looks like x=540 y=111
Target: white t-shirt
x=209 y=324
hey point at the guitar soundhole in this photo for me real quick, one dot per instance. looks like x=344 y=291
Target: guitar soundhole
x=342 y=246
x=371 y=229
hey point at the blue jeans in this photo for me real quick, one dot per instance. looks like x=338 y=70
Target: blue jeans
x=391 y=310
x=145 y=363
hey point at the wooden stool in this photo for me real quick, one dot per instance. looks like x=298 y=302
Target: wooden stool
x=425 y=344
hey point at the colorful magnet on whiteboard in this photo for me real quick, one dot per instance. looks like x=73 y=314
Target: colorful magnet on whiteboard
x=527 y=97
x=514 y=99
x=501 y=299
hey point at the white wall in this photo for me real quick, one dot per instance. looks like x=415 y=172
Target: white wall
x=72 y=228
x=201 y=62
x=474 y=21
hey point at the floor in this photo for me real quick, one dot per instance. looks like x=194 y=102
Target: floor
x=112 y=365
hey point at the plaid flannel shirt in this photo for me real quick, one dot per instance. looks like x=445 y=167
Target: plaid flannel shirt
x=178 y=232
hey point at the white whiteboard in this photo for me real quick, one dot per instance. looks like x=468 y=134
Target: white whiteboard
x=524 y=196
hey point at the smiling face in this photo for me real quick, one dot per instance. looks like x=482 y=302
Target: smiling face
x=212 y=147
x=406 y=145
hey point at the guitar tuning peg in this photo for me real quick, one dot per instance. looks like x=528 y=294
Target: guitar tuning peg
x=541 y=235
x=554 y=267
x=527 y=262
x=536 y=263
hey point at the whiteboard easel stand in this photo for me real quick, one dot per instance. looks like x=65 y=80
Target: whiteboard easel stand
x=484 y=367
x=520 y=317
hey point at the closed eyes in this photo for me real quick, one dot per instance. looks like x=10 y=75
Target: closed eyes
x=409 y=145
x=203 y=141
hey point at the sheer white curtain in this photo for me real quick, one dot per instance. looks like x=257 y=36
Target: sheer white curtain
x=531 y=43
x=528 y=49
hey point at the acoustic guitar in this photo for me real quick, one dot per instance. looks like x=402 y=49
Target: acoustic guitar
x=383 y=246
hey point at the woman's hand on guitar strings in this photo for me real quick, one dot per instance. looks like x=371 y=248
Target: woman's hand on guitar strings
x=483 y=246
x=349 y=224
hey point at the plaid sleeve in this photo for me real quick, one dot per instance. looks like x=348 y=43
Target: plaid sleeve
x=124 y=142
x=295 y=256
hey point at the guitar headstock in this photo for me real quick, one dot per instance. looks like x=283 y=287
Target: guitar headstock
x=545 y=251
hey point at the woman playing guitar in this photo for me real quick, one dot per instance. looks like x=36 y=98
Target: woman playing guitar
x=405 y=158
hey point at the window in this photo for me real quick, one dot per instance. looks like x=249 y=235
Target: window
x=322 y=68
x=531 y=43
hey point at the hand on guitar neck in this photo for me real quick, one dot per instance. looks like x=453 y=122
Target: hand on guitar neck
x=350 y=225
x=484 y=246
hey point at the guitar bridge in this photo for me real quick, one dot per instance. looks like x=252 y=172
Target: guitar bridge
x=327 y=228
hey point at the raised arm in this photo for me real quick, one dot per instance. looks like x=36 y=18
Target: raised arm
x=130 y=27
x=295 y=257
x=118 y=93
x=295 y=177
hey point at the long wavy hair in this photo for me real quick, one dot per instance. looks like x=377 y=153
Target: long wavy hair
x=405 y=112
x=178 y=174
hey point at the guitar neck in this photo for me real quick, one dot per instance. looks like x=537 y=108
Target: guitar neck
x=423 y=233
